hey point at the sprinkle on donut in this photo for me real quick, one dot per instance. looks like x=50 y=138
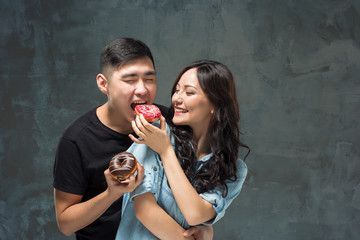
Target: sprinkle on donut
x=150 y=112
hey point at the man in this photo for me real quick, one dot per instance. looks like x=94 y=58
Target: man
x=87 y=199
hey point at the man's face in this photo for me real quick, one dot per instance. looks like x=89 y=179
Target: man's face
x=132 y=83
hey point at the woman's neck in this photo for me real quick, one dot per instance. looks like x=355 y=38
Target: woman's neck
x=202 y=146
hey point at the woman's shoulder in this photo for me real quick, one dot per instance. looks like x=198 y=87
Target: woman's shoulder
x=242 y=168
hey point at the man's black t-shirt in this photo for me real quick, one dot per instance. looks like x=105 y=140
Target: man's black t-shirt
x=83 y=154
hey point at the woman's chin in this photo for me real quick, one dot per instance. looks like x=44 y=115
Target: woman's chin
x=177 y=121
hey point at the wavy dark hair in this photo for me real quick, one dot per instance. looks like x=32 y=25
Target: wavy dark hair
x=217 y=82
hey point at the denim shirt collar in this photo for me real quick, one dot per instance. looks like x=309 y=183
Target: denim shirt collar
x=199 y=163
x=203 y=159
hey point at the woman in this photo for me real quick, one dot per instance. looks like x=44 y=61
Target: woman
x=203 y=174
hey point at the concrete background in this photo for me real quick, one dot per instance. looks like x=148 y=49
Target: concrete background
x=297 y=68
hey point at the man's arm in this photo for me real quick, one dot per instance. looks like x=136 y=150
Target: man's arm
x=73 y=215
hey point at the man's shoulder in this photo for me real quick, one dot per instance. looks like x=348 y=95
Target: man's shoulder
x=79 y=124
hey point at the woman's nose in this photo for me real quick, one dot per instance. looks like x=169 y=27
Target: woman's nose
x=177 y=99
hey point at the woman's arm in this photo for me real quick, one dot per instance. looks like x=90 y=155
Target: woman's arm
x=155 y=219
x=195 y=209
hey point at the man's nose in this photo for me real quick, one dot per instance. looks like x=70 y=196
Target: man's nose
x=140 y=88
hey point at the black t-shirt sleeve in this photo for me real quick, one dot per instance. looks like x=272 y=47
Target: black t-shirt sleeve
x=68 y=171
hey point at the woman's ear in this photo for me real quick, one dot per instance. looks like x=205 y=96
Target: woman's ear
x=102 y=83
x=212 y=109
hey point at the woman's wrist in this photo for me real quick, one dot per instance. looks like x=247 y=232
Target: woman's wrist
x=167 y=153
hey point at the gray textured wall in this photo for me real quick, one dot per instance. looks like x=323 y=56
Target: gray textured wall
x=297 y=67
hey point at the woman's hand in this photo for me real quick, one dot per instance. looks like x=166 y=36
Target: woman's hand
x=156 y=138
x=201 y=232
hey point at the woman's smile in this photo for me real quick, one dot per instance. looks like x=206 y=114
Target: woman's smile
x=180 y=111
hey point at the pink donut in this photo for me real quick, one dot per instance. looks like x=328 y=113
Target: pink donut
x=150 y=112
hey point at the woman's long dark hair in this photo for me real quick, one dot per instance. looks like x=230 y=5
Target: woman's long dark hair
x=218 y=84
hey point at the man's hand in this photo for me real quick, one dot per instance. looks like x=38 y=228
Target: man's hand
x=118 y=188
x=201 y=232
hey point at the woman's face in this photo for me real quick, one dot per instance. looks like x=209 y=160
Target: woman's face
x=191 y=105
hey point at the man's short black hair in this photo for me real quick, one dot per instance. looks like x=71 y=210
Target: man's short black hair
x=123 y=50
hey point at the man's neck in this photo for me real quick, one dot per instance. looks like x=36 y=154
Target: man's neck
x=113 y=120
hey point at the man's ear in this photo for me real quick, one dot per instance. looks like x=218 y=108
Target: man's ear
x=102 y=83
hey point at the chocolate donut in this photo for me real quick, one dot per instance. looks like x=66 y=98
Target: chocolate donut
x=122 y=165
x=150 y=112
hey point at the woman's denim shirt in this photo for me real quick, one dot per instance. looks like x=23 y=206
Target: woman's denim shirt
x=155 y=181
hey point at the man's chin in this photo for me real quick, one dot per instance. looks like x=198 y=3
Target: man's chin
x=132 y=115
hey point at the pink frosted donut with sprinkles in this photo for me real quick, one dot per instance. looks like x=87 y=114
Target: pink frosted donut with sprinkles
x=150 y=112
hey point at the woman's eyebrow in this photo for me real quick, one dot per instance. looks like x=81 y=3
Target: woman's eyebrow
x=189 y=85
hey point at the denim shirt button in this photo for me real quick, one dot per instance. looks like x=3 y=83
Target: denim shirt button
x=155 y=169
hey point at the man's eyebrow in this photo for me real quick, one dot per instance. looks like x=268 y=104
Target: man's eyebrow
x=128 y=75
x=149 y=73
